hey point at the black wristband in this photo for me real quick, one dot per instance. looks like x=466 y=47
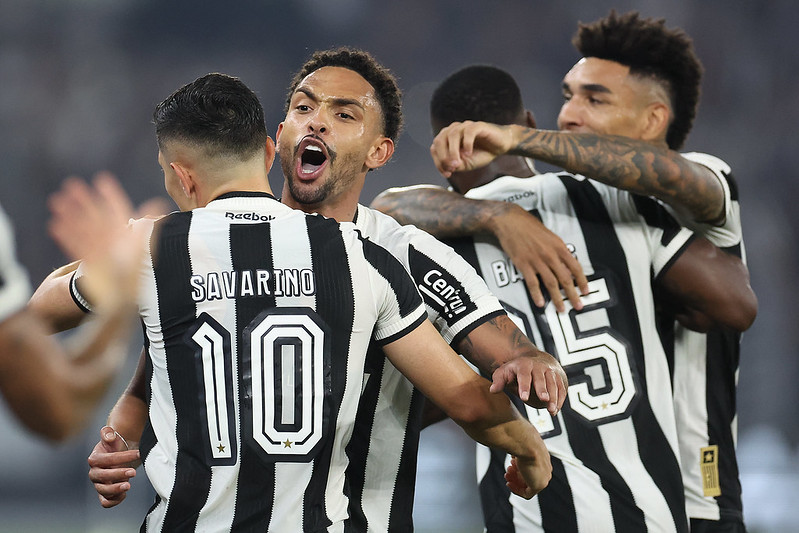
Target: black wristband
x=77 y=297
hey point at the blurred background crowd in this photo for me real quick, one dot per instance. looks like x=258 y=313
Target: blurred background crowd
x=79 y=80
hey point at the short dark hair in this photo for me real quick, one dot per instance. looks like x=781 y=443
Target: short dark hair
x=361 y=62
x=650 y=50
x=477 y=92
x=215 y=112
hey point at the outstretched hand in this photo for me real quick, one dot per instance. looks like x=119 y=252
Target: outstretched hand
x=542 y=373
x=91 y=223
x=111 y=467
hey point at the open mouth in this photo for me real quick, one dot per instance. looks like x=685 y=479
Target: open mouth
x=313 y=157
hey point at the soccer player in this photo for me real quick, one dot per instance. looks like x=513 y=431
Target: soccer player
x=614 y=446
x=629 y=105
x=53 y=390
x=320 y=144
x=257 y=321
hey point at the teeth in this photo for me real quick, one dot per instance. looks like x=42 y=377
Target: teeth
x=314 y=148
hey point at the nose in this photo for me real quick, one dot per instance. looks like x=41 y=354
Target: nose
x=318 y=123
x=569 y=116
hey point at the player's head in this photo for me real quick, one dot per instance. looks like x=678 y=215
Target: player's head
x=207 y=126
x=637 y=78
x=477 y=92
x=343 y=115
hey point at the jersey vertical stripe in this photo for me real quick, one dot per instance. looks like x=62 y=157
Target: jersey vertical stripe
x=256 y=479
x=615 y=439
x=256 y=353
x=705 y=382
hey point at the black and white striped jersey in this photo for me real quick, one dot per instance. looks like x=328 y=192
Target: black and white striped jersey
x=705 y=382
x=257 y=321
x=14 y=284
x=614 y=444
x=383 y=450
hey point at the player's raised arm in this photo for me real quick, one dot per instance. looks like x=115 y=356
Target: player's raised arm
x=633 y=165
x=53 y=391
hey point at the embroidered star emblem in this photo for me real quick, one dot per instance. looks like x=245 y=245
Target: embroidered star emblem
x=287 y=444
x=604 y=405
x=221 y=448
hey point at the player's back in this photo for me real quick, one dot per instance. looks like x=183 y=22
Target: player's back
x=257 y=320
x=613 y=446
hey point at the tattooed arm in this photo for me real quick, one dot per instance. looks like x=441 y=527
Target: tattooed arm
x=630 y=164
x=536 y=252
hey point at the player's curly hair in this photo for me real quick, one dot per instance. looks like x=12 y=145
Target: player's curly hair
x=650 y=50
x=379 y=77
x=476 y=92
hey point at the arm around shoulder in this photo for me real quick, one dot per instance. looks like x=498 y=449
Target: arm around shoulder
x=706 y=280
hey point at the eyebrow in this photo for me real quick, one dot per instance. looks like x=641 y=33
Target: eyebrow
x=590 y=87
x=336 y=101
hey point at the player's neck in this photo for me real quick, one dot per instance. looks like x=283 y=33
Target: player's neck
x=515 y=166
x=342 y=208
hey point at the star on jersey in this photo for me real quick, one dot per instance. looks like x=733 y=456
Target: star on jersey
x=287 y=444
x=221 y=448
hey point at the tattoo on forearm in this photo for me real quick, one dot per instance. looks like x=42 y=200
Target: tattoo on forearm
x=439 y=213
x=629 y=164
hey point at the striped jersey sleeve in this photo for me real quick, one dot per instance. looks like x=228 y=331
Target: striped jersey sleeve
x=257 y=322
x=456 y=297
x=14 y=284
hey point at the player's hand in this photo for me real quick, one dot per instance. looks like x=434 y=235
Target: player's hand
x=111 y=467
x=527 y=477
x=536 y=253
x=91 y=223
x=469 y=145
x=539 y=371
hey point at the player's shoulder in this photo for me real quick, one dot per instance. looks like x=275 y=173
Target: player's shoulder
x=712 y=162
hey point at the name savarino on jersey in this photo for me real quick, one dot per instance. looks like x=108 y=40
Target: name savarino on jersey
x=252 y=283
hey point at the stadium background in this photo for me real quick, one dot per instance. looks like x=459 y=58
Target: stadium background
x=79 y=80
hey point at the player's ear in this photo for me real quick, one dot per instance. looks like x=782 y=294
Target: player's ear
x=277 y=135
x=529 y=119
x=269 y=150
x=186 y=178
x=655 y=122
x=380 y=152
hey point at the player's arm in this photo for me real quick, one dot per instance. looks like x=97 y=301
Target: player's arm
x=444 y=378
x=54 y=302
x=629 y=164
x=53 y=389
x=500 y=349
x=632 y=165
x=50 y=390
x=709 y=287
x=534 y=250
x=115 y=457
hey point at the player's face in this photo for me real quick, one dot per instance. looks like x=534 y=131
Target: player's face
x=601 y=97
x=333 y=124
